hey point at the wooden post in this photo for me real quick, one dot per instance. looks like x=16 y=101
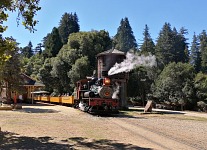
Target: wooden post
x=148 y=107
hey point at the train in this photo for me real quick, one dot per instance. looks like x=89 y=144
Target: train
x=92 y=95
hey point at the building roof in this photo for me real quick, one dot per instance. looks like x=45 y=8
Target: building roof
x=111 y=51
x=28 y=81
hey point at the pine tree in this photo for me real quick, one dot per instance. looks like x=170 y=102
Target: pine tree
x=203 y=49
x=124 y=40
x=27 y=51
x=68 y=24
x=52 y=44
x=184 y=45
x=39 y=48
x=181 y=46
x=165 y=48
x=195 y=56
x=148 y=45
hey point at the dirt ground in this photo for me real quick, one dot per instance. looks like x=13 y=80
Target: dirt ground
x=47 y=126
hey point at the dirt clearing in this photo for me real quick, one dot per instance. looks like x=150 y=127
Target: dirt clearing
x=47 y=126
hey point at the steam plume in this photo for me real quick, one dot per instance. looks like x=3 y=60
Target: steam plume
x=116 y=91
x=132 y=60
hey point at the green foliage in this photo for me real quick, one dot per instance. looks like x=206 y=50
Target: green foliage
x=31 y=66
x=59 y=70
x=139 y=83
x=38 y=48
x=195 y=56
x=27 y=51
x=10 y=73
x=200 y=84
x=68 y=24
x=26 y=11
x=6 y=44
x=79 y=69
x=181 y=46
x=171 y=46
x=175 y=84
x=53 y=44
x=148 y=45
x=203 y=50
x=124 y=40
x=46 y=77
x=202 y=106
x=164 y=46
x=90 y=44
x=80 y=45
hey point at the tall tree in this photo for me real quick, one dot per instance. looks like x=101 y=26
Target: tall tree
x=181 y=46
x=45 y=76
x=203 y=50
x=200 y=84
x=53 y=44
x=139 y=83
x=124 y=39
x=195 y=55
x=68 y=24
x=148 y=45
x=90 y=44
x=175 y=84
x=80 y=44
x=184 y=44
x=38 y=48
x=27 y=51
x=164 y=50
x=10 y=73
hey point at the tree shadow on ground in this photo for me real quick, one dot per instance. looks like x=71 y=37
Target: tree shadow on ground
x=125 y=115
x=84 y=143
x=155 y=111
x=10 y=140
x=37 y=104
x=37 y=110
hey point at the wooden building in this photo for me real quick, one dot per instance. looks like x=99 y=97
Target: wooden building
x=31 y=85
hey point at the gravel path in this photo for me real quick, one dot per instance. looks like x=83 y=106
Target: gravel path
x=46 y=126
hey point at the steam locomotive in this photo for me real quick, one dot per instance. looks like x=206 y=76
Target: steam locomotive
x=92 y=95
x=95 y=95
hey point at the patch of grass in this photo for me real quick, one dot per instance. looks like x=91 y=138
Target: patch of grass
x=167 y=115
x=184 y=117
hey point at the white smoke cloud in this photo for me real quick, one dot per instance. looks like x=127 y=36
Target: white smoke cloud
x=116 y=91
x=132 y=61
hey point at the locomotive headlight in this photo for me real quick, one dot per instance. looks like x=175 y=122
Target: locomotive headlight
x=106 y=81
x=107 y=93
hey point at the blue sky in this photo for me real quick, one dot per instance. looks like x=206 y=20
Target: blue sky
x=107 y=14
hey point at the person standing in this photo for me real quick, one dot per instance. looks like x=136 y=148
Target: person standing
x=20 y=98
x=15 y=98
